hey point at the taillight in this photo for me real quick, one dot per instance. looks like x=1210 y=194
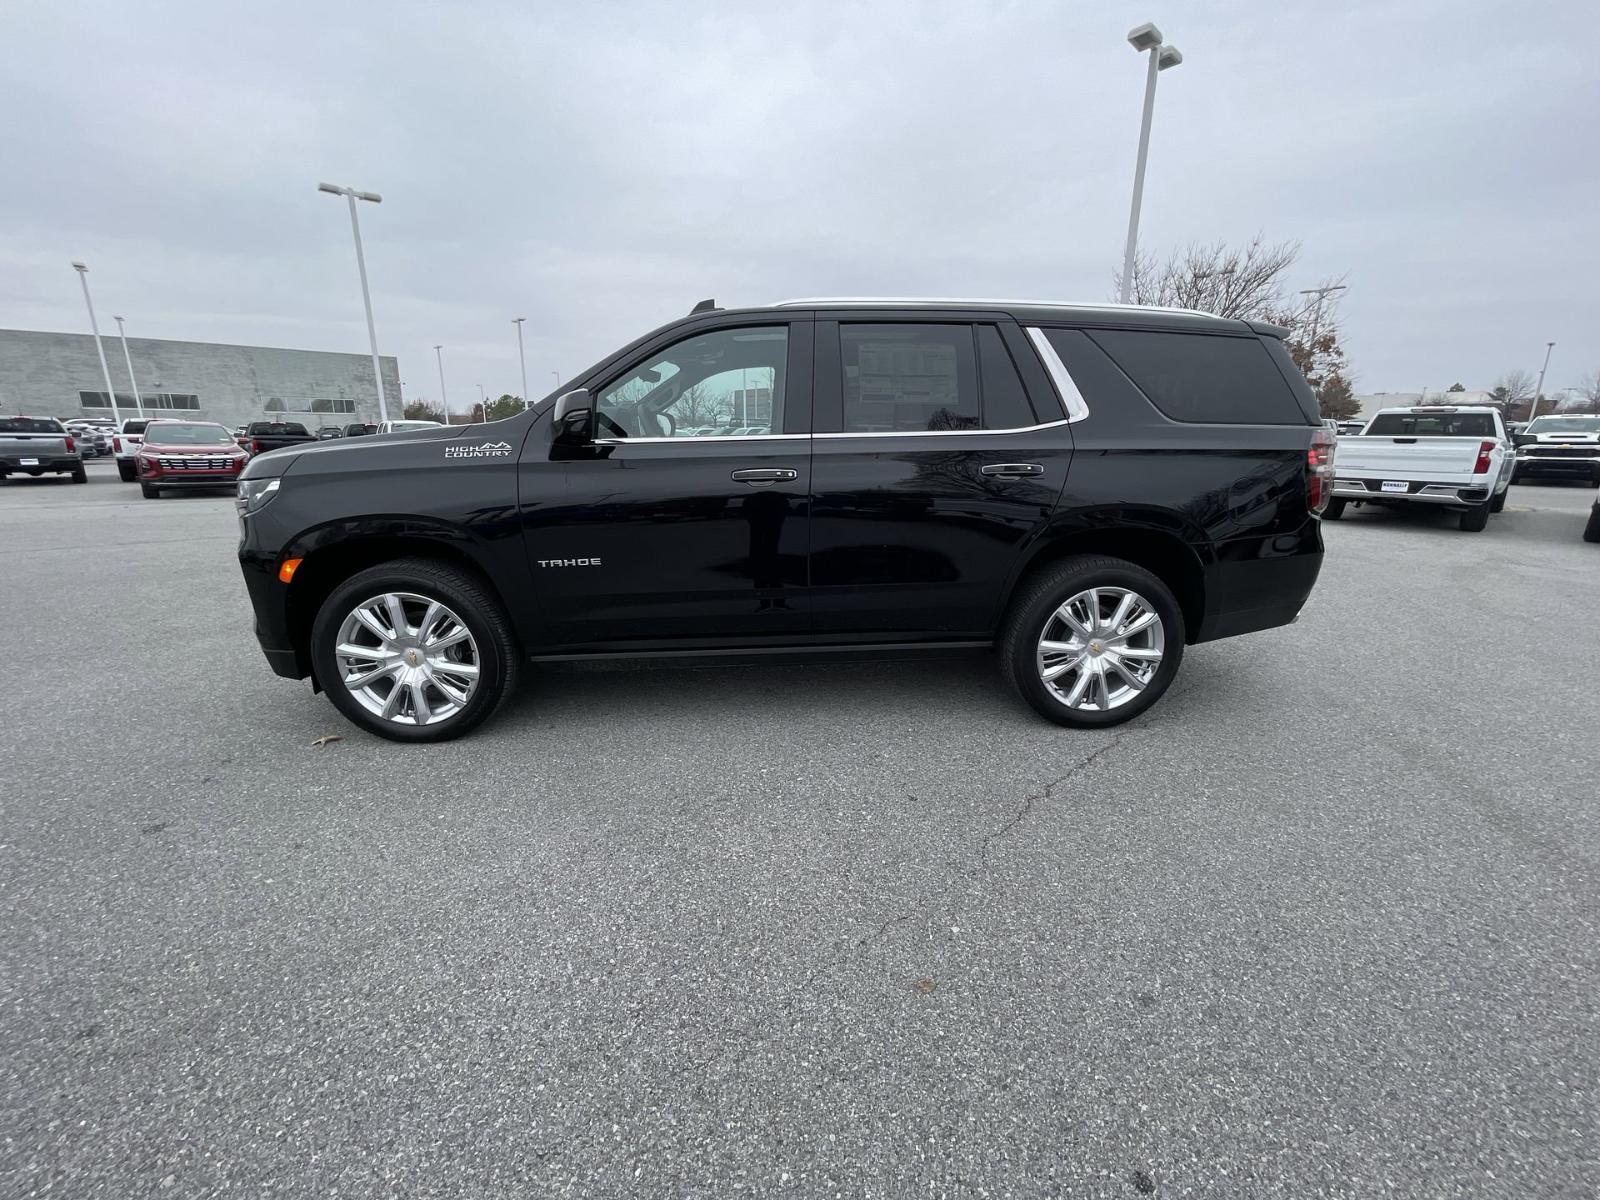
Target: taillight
x=71 y=445
x=255 y=446
x=116 y=445
x=1319 y=470
x=1484 y=450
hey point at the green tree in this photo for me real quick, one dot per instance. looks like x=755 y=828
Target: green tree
x=1455 y=387
x=506 y=406
x=421 y=410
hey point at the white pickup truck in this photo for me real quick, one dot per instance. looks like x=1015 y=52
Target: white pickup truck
x=125 y=445
x=1455 y=455
x=1560 y=447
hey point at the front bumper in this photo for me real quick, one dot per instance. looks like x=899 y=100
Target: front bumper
x=191 y=479
x=1577 y=465
x=1420 y=492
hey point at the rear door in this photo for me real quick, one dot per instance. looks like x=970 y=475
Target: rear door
x=933 y=464
x=685 y=522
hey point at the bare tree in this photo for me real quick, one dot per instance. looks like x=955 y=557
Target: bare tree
x=697 y=406
x=1245 y=282
x=1587 y=393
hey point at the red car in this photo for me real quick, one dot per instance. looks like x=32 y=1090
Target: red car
x=187 y=454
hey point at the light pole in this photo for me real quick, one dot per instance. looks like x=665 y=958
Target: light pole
x=444 y=400
x=111 y=392
x=1316 y=318
x=522 y=360
x=1142 y=38
x=352 y=195
x=1538 y=391
x=483 y=402
x=128 y=358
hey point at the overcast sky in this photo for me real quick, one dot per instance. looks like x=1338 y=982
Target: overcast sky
x=598 y=168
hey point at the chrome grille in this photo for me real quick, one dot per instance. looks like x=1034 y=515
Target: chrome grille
x=195 y=462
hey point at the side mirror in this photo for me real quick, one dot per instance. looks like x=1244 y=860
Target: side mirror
x=572 y=417
x=1523 y=439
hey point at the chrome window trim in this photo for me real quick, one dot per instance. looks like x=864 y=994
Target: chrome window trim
x=686 y=441
x=897 y=433
x=1066 y=387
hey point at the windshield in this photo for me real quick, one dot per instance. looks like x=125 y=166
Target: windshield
x=1439 y=424
x=187 y=433
x=1565 y=425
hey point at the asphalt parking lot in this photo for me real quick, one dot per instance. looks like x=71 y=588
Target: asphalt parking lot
x=1326 y=922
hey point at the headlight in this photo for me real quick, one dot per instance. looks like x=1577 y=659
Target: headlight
x=253 y=493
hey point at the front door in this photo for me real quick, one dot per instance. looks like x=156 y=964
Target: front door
x=685 y=523
x=933 y=466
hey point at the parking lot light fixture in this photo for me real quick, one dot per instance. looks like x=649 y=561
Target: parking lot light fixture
x=444 y=400
x=128 y=358
x=522 y=361
x=1533 y=409
x=352 y=195
x=1144 y=38
x=111 y=392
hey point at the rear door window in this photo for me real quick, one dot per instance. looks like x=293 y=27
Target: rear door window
x=909 y=378
x=1204 y=377
x=1457 y=424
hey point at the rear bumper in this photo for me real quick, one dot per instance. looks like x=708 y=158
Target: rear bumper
x=12 y=464
x=1421 y=492
x=1260 y=583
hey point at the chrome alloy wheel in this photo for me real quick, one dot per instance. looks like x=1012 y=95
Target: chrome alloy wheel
x=1100 y=649
x=407 y=658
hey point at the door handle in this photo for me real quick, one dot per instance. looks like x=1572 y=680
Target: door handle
x=1013 y=470
x=764 y=475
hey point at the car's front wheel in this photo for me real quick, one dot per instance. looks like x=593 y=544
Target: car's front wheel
x=414 y=651
x=1093 y=641
x=149 y=491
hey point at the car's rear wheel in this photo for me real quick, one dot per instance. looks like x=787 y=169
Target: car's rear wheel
x=1498 y=504
x=80 y=475
x=149 y=491
x=1475 y=518
x=1591 y=531
x=1093 y=641
x=414 y=651
x=125 y=470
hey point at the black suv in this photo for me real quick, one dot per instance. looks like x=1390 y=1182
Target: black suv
x=1087 y=489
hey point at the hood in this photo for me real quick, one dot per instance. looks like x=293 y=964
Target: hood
x=1571 y=439
x=383 y=451
x=179 y=448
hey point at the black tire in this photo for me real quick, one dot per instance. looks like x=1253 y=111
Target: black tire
x=80 y=475
x=1475 y=518
x=1516 y=475
x=149 y=491
x=1498 y=504
x=1591 y=531
x=1032 y=609
x=125 y=470
x=1594 y=480
x=1335 y=509
x=498 y=654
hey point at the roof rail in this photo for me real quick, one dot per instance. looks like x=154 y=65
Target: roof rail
x=989 y=302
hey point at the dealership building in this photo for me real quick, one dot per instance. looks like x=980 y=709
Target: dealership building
x=59 y=375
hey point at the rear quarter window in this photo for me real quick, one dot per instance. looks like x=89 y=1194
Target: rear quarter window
x=1204 y=378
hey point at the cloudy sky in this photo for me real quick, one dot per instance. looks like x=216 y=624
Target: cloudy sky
x=600 y=167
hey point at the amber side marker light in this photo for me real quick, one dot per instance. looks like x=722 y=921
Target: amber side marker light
x=287 y=570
